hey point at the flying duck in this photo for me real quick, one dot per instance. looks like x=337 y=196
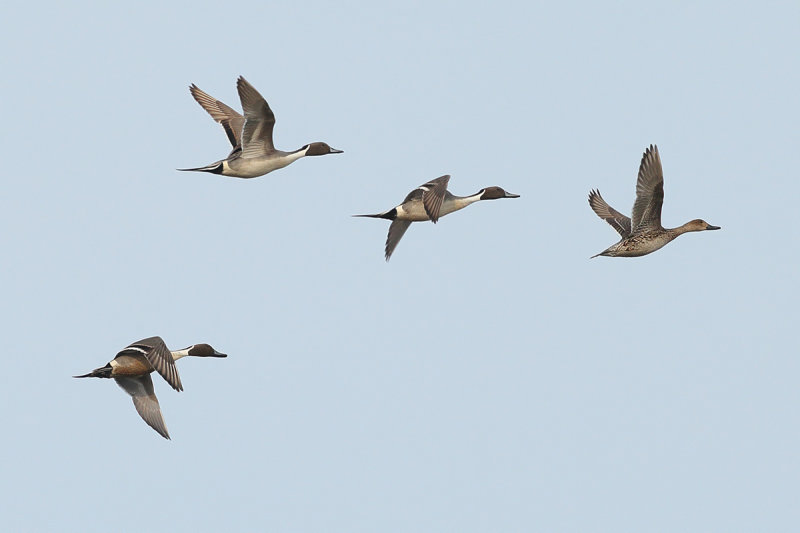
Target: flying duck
x=430 y=202
x=253 y=152
x=131 y=369
x=642 y=233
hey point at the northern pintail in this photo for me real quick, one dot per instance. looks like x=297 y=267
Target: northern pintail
x=131 y=370
x=253 y=152
x=642 y=233
x=429 y=202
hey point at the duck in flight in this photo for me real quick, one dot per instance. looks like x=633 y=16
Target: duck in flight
x=642 y=233
x=253 y=152
x=131 y=370
x=429 y=202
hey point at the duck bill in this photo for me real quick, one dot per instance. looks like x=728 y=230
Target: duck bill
x=335 y=151
x=714 y=227
x=509 y=195
x=219 y=354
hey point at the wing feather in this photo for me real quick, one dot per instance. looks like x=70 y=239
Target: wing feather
x=396 y=231
x=230 y=119
x=259 y=121
x=145 y=401
x=433 y=195
x=160 y=358
x=649 y=192
x=616 y=220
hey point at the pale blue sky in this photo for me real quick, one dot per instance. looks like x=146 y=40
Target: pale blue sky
x=490 y=377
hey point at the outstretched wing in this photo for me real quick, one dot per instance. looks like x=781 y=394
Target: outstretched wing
x=396 y=231
x=230 y=119
x=649 y=192
x=145 y=401
x=259 y=121
x=617 y=220
x=433 y=195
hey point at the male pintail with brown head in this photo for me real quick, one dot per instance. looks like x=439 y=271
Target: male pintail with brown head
x=430 y=201
x=253 y=153
x=131 y=370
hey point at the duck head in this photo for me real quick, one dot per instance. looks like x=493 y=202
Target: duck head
x=493 y=193
x=699 y=224
x=321 y=149
x=203 y=350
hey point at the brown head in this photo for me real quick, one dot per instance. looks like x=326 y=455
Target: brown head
x=493 y=193
x=320 y=149
x=698 y=224
x=203 y=350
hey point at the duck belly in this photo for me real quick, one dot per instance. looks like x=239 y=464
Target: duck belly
x=254 y=167
x=640 y=245
x=412 y=212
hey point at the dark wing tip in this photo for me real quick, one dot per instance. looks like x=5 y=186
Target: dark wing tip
x=650 y=153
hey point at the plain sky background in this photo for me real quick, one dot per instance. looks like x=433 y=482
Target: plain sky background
x=490 y=377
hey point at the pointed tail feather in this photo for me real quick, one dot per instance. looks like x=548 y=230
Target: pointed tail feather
x=379 y=215
x=214 y=168
x=104 y=372
x=391 y=214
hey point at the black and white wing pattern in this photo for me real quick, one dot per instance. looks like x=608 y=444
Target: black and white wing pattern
x=158 y=355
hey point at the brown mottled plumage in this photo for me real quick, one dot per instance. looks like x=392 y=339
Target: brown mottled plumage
x=642 y=233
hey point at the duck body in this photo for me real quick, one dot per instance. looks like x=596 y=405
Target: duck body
x=254 y=153
x=430 y=201
x=639 y=244
x=236 y=166
x=130 y=365
x=643 y=233
x=413 y=208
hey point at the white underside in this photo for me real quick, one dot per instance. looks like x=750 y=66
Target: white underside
x=415 y=211
x=258 y=166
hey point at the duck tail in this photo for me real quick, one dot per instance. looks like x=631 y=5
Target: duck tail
x=388 y=215
x=214 y=168
x=104 y=372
